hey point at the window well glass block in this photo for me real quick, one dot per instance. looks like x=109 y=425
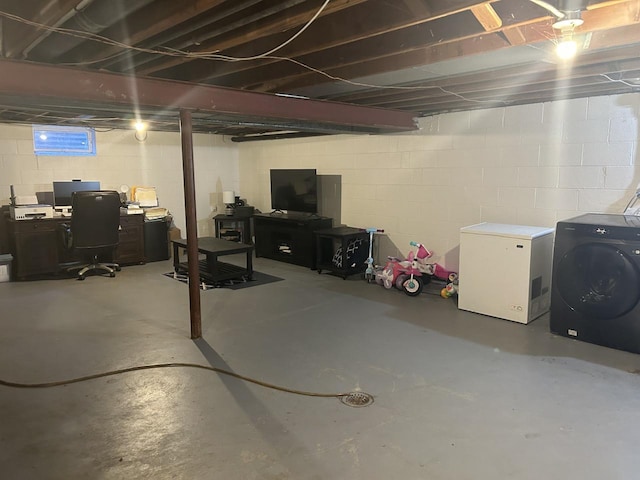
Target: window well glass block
x=58 y=140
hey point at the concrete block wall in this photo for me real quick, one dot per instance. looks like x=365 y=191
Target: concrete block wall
x=530 y=165
x=122 y=160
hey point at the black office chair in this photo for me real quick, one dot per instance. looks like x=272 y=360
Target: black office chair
x=94 y=230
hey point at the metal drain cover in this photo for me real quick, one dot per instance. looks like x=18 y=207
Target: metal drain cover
x=357 y=399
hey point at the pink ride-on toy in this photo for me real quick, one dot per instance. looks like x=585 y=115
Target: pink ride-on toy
x=412 y=274
x=407 y=274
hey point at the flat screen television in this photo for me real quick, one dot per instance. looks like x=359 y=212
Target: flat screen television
x=294 y=190
x=62 y=191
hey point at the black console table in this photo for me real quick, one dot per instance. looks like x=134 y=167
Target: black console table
x=212 y=269
x=287 y=237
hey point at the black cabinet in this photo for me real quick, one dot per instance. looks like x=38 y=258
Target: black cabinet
x=38 y=246
x=288 y=238
x=130 y=247
x=156 y=240
x=233 y=227
x=34 y=245
x=342 y=250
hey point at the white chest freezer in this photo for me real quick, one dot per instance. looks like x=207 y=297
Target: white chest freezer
x=505 y=270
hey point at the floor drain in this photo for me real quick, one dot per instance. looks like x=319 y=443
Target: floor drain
x=357 y=399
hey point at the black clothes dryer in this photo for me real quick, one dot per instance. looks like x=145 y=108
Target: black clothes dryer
x=595 y=293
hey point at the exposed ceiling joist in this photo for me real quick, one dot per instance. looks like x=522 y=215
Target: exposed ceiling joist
x=487 y=16
x=461 y=54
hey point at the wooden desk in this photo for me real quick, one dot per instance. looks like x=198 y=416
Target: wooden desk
x=38 y=249
x=210 y=268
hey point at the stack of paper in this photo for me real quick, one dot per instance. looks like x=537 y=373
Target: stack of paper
x=155 y=213
x=145 y=196
x=133 y=209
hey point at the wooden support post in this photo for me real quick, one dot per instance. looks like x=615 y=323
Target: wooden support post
x=186 y=134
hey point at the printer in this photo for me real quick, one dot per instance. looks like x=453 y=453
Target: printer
x=26 y=207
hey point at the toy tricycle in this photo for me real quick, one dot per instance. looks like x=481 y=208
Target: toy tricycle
x=412 y=274
x=407 y=275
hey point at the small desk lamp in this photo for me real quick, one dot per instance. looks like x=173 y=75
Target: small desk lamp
x=229 y=199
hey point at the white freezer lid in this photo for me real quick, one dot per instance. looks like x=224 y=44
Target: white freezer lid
x=504 y=230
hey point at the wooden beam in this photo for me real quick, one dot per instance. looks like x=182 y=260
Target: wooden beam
x=188 y=172
x=605 y=4
x=509 y=82
x=332 y=33
x=615 y=15
x=224 y=44
x=515 y=36
x=373 y=61
x=417 y=7
x=282 y=22
x=487 y=16
x=145 y=24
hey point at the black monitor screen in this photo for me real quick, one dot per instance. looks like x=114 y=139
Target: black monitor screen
x=294 y=190
x=62 y=191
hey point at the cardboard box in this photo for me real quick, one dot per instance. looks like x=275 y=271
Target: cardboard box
x=174 y=234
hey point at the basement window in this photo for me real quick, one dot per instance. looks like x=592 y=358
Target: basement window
x=64 y=141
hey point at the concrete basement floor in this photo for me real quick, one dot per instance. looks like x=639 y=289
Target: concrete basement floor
x=457 y=395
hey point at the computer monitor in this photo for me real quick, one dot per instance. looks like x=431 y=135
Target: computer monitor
x=62 y=192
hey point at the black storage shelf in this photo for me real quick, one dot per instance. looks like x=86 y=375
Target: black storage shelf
x=156 y=240
x=349 y=245
x=224 y=271
x=235 y=228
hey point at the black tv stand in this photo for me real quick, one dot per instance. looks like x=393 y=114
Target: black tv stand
x=288 y=237
x=293 y=215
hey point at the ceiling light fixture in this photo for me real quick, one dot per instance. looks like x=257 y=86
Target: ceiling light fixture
x=140 y=126
x=567 y=20
x=141 y=130
x=567 y=47
x=570 y=20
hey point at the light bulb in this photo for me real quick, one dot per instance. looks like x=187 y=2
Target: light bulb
x=567 y=49
x=140 y=126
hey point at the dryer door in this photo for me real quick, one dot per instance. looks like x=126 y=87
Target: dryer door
x=598 y=280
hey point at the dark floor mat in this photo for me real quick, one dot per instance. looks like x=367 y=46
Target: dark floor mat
x=258 y=278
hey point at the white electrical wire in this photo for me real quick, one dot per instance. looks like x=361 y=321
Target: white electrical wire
x=275 y=49
x=549 y=7
x=385 y=87
x=619 y=81
x=216 y=56
x=166 y=51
